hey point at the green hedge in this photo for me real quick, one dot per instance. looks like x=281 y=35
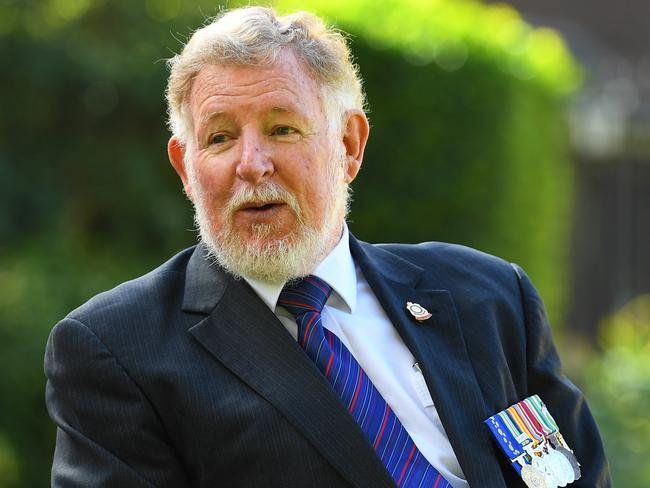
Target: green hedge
x=618 y=388
x=468 y=145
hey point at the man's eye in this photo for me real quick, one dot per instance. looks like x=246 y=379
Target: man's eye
x=218 y=138
x=284 y=131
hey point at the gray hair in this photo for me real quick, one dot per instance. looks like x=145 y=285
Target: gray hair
x=256 y=36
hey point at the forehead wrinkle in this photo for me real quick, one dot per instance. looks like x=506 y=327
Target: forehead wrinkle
x=291 y=106
x=233 y=87
x=283 y=78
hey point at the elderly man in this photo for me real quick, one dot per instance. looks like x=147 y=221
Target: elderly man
x=281 y=351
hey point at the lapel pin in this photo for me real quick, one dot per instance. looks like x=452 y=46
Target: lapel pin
x=418 y=311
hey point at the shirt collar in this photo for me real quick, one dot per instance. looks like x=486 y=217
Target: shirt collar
x=337 y=269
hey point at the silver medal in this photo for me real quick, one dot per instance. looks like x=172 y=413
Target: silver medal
x=541 y=464
x=561 y=467
x=567 y=453
x=533 y=477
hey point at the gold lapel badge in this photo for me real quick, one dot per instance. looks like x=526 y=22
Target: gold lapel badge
x=418 y=311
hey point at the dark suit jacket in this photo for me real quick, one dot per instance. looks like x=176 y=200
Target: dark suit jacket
x=183 y=377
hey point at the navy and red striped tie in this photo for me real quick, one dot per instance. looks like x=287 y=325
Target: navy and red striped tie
x=392 y=443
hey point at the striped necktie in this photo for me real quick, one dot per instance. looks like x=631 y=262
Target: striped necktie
x=392 y=443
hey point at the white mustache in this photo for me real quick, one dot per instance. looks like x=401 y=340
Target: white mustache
x=262 y=195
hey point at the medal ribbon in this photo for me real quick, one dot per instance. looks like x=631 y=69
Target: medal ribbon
x=516 y=418
x=543 y=413
x=522 y=431
x=537 y=429
x=504 y=435
x=513 y=429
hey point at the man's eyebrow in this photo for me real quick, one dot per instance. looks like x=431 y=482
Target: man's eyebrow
x=284 y=110
x=220 y=113
x=295 y=113
x=212 y=116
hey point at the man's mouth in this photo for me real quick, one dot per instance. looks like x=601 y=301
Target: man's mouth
x=266 y=206
x=260 y=207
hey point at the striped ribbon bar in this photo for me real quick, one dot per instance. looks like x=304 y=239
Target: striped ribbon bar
x=529 y=436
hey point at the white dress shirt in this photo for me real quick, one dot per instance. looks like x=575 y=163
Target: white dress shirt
x=354 y=314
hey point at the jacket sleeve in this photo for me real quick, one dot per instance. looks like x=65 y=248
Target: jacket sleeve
x=564 y=400
x=108 y=433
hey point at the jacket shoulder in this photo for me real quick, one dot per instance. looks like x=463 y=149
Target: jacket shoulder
x=144 y=296
x=447 y=256
x=466 y=272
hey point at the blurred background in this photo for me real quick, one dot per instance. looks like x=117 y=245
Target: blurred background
x=522 y=130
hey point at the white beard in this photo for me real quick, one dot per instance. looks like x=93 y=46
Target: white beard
x=271 y=260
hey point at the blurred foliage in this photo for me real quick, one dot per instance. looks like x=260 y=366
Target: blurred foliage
x=618 y=388
x=9 y=474
x=41 y=282
x=448 y=33
x=468 y=145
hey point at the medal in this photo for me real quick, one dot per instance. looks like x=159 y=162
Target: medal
x=533 y=477
x=573 y=462
x=561 y=467
x=560 y=447
x=537 y=410
x=529 y=436
x=543 y=466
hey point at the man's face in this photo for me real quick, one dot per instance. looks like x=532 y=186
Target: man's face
x=267 y=180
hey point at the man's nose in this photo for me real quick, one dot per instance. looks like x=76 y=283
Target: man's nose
x=255 y=163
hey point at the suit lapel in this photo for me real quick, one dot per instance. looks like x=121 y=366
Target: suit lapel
x=244 y=335
x=439 y=347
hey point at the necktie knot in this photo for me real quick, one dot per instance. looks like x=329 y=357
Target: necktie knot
x=307 y=295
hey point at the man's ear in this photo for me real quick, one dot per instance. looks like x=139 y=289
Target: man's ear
x=176 y=153
x=355 y=136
